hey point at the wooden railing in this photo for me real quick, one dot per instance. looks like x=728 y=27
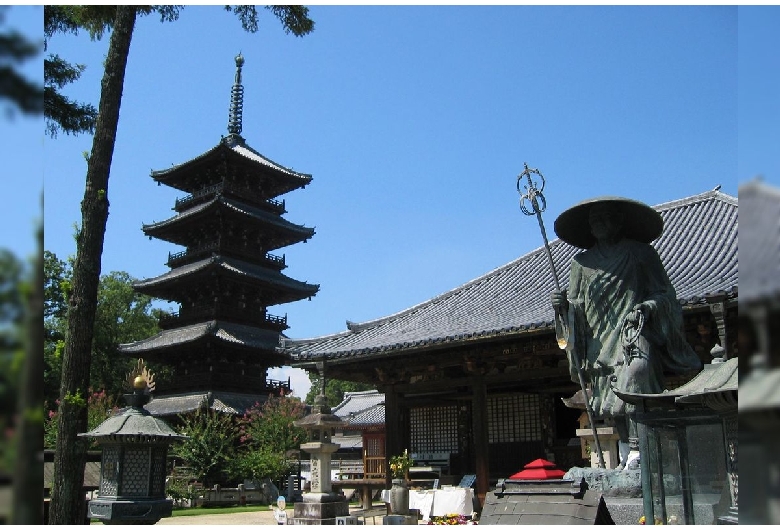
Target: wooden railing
x=195 y=253
x=218 y=310
x=241 y=191
x=228 y=382
x=374 y=467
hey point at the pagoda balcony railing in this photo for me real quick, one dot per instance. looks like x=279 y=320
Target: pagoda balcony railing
x=223 y=311
x=230 y=382
x=194 y=253
x=241 y=191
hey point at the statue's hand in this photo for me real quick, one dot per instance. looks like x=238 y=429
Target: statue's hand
x=645 y=309
x=558 y=299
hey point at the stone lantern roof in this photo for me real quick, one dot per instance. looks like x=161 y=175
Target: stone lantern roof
x=132 y=422
x=321 y=418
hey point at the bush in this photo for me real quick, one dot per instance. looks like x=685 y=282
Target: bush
x=261 y=463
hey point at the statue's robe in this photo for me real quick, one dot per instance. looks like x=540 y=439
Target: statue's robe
x=602 y=291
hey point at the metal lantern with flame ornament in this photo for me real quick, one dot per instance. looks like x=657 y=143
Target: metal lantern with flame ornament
x=133 y=465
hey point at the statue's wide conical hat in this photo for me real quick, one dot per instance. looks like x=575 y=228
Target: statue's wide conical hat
x=640 y=221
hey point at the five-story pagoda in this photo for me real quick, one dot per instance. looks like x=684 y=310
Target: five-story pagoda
x=222 y=340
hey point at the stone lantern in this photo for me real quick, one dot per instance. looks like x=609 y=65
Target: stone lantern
x=133 y=465
x=321 y=505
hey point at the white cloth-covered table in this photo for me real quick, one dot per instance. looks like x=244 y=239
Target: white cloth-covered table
x=422 y=500
x=442 y=502
x=453 y=500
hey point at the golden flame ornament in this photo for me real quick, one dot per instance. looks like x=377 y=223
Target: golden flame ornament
x=140 y=378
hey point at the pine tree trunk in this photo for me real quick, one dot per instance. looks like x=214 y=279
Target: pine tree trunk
x=70 y=453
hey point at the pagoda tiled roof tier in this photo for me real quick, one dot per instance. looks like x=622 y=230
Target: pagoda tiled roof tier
x=274 y=231
x=275 y=286
x=232 y=155
x=224 y=336
x=227 y=402
x=698 y=247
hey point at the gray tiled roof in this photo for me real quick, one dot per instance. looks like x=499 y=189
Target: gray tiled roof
x=368 y=418
x=227 y=402
x=222 y=202
x=355 y=402
x=759 y=241
x=243 y=270
x=226 y=332
x=241 y=149
x=362 y=409
x=698 y=248
x=347 y=442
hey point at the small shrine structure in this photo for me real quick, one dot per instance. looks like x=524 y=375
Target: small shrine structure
x=222 y=340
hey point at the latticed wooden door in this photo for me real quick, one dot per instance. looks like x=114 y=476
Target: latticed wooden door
x=374 y=455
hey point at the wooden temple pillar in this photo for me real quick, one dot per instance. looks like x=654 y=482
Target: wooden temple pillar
x=394 y=429
x=479 y=424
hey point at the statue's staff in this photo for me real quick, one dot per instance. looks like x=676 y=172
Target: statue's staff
x=538 y=204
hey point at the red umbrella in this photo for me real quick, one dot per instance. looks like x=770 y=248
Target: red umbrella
x=539 y=469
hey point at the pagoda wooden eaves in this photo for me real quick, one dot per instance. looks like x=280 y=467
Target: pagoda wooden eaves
x=232 y=157
x=207 y=217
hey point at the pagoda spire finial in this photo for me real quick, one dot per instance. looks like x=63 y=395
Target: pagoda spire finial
x=236 y=100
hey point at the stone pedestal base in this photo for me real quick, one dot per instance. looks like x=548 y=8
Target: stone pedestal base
x=111 y=511
x=319 y=512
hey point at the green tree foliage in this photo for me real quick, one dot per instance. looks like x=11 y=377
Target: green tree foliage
x=61 y=113
x=210 y=447
x=335 y=389
x=267 y=433
x=122 y=315
x=15 y=48
x=271 y=424
x=223 y=449
x=13 y=284
x=100 y=406
x=21 y=421
x=294 y=19
x=21 y=424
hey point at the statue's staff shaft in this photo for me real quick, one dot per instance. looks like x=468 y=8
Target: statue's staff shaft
x=535 y=196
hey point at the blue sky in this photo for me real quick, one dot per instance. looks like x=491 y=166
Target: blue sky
x=414 y=122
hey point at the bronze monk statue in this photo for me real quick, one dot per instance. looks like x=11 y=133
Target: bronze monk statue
x=618 y=286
